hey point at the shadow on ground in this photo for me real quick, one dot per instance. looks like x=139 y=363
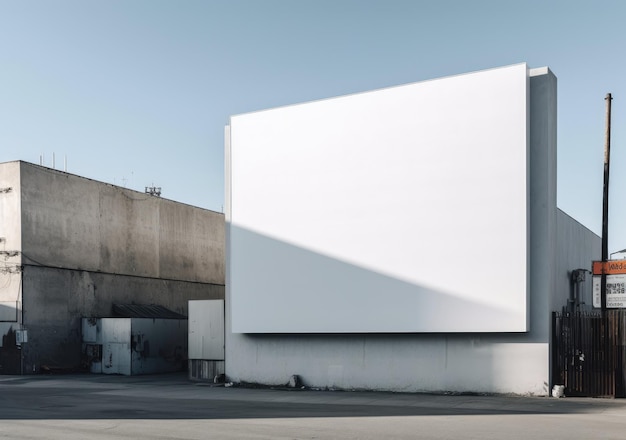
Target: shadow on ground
x=81 y=397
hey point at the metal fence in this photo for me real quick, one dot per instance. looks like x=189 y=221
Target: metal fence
x=588 y=352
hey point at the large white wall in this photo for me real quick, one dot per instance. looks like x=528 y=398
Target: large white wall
x=360 y=211
x=483 y=362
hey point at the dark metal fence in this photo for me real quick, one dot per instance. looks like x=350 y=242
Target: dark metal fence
x=588 y=351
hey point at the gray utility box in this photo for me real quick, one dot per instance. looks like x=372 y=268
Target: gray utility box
x=131 y=346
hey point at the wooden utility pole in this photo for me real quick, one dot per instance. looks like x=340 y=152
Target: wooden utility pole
x=605 y=199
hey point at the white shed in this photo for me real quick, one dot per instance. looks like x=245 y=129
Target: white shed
x=206 y=339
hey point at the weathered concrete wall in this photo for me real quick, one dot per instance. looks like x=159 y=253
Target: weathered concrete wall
x=76 y=223
x=55 y=300
x=10 y=262
x=85 y=245
x=506 y=363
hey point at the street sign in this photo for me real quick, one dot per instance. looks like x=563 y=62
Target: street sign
x=615 y=291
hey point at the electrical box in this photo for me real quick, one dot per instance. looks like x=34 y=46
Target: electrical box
x=21 y=336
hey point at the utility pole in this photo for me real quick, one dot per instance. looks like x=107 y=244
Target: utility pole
x=605 y=201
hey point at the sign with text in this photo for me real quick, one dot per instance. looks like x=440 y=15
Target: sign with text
x=613 y=267
x=615 y=291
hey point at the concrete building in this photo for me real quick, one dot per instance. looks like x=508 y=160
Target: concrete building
x=404 y=239
x=70 y=247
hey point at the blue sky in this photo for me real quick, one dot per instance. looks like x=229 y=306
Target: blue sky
x=137 y=92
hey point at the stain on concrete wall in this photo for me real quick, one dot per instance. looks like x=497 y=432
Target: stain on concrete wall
x=83 y=224
x=10 y=361
x=57 y=299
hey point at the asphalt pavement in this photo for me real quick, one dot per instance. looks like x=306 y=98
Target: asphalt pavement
x=172 y=407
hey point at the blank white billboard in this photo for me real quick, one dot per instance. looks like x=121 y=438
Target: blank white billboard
x=397 y=210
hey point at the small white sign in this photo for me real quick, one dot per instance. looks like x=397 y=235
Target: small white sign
x=21 y=336
x=615 y=291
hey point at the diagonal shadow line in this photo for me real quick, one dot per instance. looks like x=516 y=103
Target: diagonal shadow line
x=277 y=287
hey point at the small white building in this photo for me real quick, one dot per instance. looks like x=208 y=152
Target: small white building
x=403 y=239
x=206 y=339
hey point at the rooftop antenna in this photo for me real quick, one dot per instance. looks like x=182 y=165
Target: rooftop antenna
x=153 y=190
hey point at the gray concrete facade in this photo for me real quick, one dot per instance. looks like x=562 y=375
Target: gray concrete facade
x=480 y=362
x=78 y=246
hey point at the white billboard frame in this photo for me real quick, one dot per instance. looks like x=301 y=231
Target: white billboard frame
x=398 y=210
